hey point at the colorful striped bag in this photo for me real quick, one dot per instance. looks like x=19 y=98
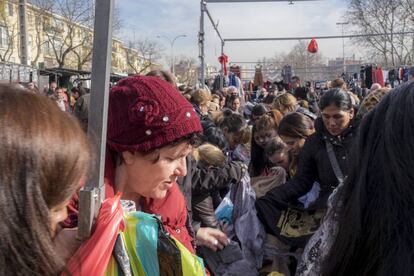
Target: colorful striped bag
x=132 y=244
x=152 y=251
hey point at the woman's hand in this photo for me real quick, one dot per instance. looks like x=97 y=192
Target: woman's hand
x=211 y=238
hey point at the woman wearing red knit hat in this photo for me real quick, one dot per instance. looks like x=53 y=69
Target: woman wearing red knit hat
x=151 y=130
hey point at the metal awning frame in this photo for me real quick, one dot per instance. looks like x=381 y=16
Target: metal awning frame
x=201 y=34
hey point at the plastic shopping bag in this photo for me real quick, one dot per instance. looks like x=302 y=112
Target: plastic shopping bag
x=313 y=46
x=93 y=256
x=224 y=212
x=152 y=251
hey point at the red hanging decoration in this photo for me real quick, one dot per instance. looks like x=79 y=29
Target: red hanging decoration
x=223 y=59
x=313 y=46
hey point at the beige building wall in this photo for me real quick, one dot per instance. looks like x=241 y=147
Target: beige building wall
x=45 y=31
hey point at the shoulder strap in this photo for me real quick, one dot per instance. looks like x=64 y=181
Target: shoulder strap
x=334 y=162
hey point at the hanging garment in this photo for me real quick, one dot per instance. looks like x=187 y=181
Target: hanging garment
x=368 y=76
x=379 y=76
x=233 y=80
x=258 y=76
x=287 y=74
x=385 y=76
x=216 y=85
x=235 y=69
x=392 y=77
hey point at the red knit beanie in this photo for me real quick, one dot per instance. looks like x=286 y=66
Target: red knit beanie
x=147 y=113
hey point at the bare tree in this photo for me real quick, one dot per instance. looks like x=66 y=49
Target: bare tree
x=142 y=54
x=84 y=53
x=387 y=19
x=186 y=70
x=65 y=25
x=306 y=65
x=11 y=34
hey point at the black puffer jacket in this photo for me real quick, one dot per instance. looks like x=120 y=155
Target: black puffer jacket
x=313 y=166
x=198 y=185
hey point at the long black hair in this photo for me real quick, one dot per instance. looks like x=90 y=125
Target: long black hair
x=336 y=96
x=376 y=219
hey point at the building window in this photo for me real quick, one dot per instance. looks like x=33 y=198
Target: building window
x=50 y=45
x=30 y=40
x=4 y=40
x=37 y=20
x=47 y=48
x=10 y=6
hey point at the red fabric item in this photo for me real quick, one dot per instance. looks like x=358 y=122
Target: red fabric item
x=380 y=77
x=313 y=46
x=173 y=212
x=146 y=113
x=377 y=76
x=223 y=59
x=93 y=256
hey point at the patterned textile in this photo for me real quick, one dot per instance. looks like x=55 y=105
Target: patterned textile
x=370 y=101
x=321 y=242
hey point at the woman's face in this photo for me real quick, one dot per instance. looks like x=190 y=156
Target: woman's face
x=335 y=119
x=204 y=108
x=294 y=144
x=280 y=159
x=222 y=102
x=152 y=178
x=235 y=105
x=263 y=137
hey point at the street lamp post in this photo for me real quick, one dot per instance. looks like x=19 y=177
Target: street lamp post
x=343 y=43
x=172 y=41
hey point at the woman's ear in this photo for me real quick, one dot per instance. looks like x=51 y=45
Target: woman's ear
x=128 y=157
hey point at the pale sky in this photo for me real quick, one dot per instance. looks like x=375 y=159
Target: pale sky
x=149 y=18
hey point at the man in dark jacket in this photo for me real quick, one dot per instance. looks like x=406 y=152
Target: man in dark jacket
x=81 y=110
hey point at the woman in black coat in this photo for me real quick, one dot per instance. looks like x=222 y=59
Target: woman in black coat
x=336 y=127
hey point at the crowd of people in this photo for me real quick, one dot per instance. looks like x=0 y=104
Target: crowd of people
x=291 y=181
